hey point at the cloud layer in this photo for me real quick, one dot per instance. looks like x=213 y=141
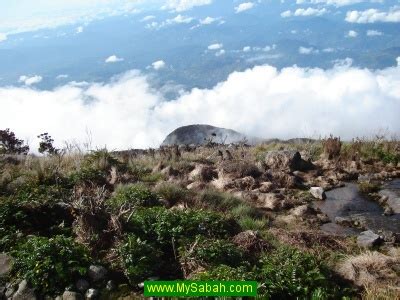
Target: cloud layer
x=126 y=112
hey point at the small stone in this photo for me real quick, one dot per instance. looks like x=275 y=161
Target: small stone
x=111 y=285
x=97 y=273
x=388 y=211
x=2 y=291
x=302 y=211
x=82 y=285
x=266 y=187
x=343 y=221
x=6 y=262
x=92 y=294
x=368 y=239
x=24 y=292
x=68 y=295
x=10 y=290
x=318 y=193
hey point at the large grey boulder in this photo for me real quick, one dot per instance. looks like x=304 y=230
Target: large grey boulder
x=201 y=134
x=6 y=263
x=368 y=239
x=92 y=294
x=24 y=292
x=287 y=160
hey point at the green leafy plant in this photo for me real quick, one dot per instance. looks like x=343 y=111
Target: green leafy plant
x=206 y=252
x=134 y=195
x=50 y=264
x=223 y=272
x=290 y=273
x=139 y=259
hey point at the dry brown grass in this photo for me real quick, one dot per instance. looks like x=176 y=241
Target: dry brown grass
x=332 y=147
x=372 y=270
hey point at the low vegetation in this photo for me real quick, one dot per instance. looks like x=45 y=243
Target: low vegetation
x=148 y=214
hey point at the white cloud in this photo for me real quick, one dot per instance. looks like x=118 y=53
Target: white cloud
x=62 y=76
x=374 y=33
x=26 y=15
x=215 y=46
x=220 y=52
x=30 y=80
x=207 y=21
x=127 y=112
x=79 y=29
x=158 y=65
x=147 y=18
x=352 y=34
x=3 y=37
x=113 y=59
x=373 y=15
x=247 y=49
x=183 y=5
x=307 y=51
x=244 y=6
x=301 y=12
x=328 y=50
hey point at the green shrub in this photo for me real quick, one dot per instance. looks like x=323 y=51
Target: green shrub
x=290 y=273
x=171 y=193
x=133 y=195
x=139 y=258
x=96 y=167
x=50 y=264
x=366 y=187
x=226 y=273
x=164 y=226
x=212 y=252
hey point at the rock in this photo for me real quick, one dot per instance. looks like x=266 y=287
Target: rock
x=392 y=200
x=82 y=285
x=2 y=291
x=202 y=134
x=266 y=187
x=318 y=193
x=59 y=298
x=92 y=294
x=247 y=183
x=196 y=186
x=204 y=173
x=110 y=286
x=6 y=263
x=24 y=292
x=388 y=211
x=97 y=273
x=368 y=239
x=68 y=295
x=302 y=210
x=170 y=172
x=10 y=290
x=287 y=160
x=344 y=221
x=270 y=201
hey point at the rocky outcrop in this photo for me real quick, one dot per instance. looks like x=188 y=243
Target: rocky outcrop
x=287 y=160
x=24 y=292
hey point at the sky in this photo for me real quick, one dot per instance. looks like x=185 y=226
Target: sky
x=126 y=73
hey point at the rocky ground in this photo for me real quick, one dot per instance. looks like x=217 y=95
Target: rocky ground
x=97 y=225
